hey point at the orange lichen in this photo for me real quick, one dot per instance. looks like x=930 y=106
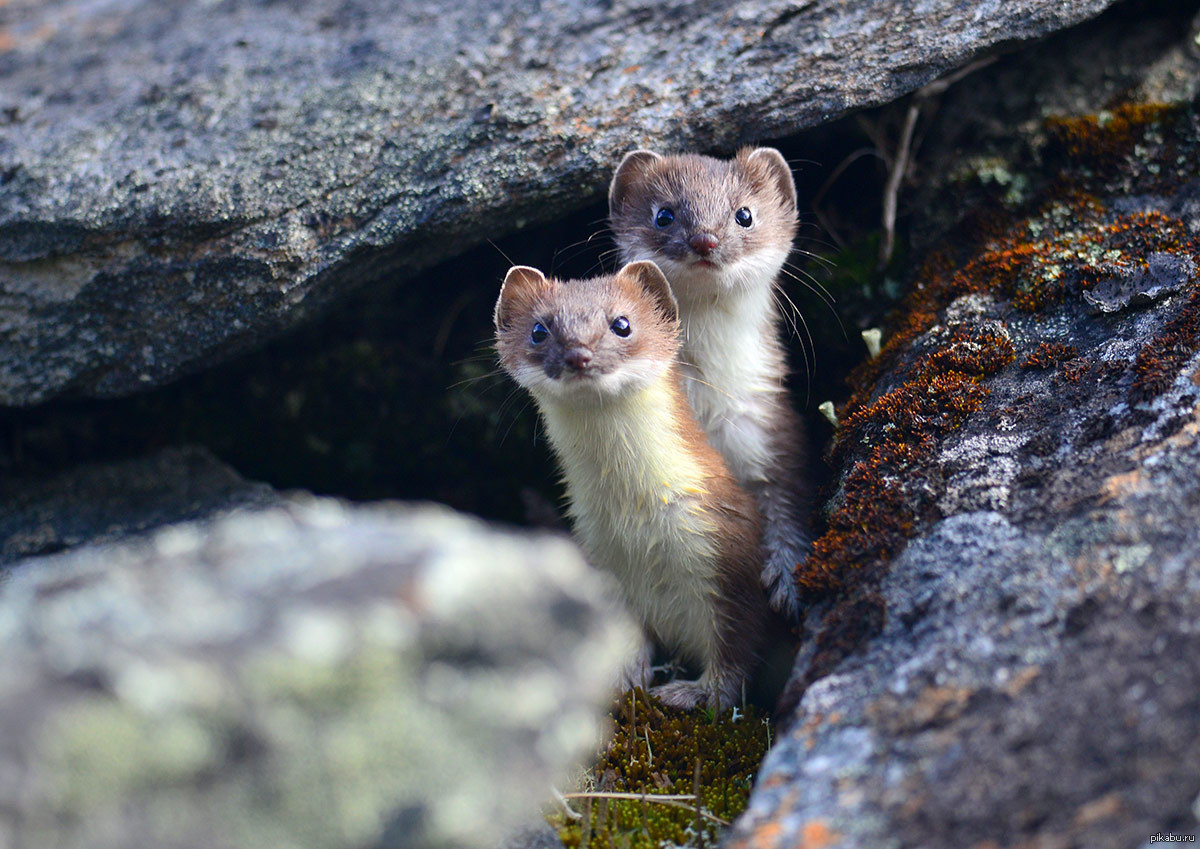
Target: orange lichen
x=816 y=834
x=900 y=427
x=1104 y=140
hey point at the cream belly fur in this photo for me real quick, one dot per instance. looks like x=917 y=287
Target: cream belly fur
x=635 y=495
x=734 y=368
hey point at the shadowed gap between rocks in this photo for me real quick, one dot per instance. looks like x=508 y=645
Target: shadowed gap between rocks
x=397 y=394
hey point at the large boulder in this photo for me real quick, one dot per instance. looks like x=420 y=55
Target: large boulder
x=310 y=675
x=1011 y=658
x=105 y=502
x=179 y=181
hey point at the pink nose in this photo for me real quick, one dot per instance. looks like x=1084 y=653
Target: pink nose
x=579 y=358
x=703 y=243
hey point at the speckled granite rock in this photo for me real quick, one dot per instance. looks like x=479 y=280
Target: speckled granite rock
x=103 y=503
x=313 y=675
x=179 y=181
x=1013 y=658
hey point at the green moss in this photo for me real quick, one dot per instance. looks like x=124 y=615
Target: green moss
x=660 y=751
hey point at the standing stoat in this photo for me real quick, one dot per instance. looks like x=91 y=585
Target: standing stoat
x=650 y=500
x=721 y=231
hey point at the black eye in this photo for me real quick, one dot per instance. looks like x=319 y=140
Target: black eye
x=664 y=217
x=743 y=217
x=620 y=326
x=540 y=334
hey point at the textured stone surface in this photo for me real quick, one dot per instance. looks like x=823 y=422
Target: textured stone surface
x=540 y=836
x=312 y=675
x=179 y=181
x=1024 y=671
x=103 y=503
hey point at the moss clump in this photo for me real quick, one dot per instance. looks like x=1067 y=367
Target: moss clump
x=659 y=751
x=1104 y=140
x=1159 y=362
x=1066 y=247
x=1047 y=355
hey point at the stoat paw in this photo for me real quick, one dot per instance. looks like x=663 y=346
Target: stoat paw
x=684 y=695
x=779 y=580
x=713 y=691
x=636 y=671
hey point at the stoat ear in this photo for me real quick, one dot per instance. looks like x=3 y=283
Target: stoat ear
x=632 y=168
x=770 y=163
x=650 y=277
x=521 y=279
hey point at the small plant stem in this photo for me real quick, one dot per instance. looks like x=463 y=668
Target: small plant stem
x=676 y=801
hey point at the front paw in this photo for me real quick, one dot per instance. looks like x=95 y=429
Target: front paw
x=636 y=671
x=779 y=581
x=684 y=695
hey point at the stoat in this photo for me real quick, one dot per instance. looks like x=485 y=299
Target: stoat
x=721 y=231
x=650 y=500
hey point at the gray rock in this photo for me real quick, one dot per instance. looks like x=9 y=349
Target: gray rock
x=312 y=675
x=540 y=836
x=1124 y=287
x=1036 y=676
x=179 y=181
x=1027 y=673
x=103 y=503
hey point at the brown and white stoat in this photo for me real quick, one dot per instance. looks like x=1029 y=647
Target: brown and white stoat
x=721 y=231
x=650 y=500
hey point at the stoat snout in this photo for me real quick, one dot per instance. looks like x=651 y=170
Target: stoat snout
x=703 y=243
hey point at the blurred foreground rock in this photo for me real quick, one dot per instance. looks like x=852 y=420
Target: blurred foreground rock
x=180 y=181
x=313 y=675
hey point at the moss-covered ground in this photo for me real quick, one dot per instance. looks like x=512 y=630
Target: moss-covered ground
x=654 y=751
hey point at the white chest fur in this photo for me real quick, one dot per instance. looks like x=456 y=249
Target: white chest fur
x=733 y=373
x=636 y=494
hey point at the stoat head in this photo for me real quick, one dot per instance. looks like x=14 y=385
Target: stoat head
x=711 y=224
x=583 y=341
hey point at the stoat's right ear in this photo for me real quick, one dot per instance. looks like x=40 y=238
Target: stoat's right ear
x=520 y=280
x=650 y=277
x=631 y=170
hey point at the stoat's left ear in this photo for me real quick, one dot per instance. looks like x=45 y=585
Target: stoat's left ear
x=520 y=282
x=630 y=172
x=650 y=277
x=773 y=168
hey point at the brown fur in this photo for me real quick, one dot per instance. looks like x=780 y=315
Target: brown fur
x=579 y=313
x=704 y=193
